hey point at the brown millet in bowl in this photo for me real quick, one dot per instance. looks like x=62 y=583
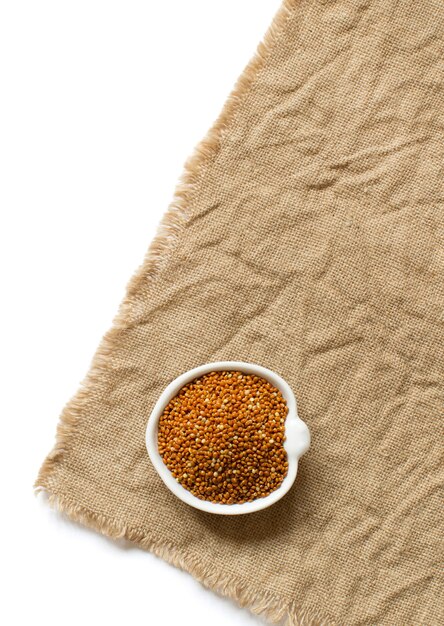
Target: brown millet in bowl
x=222 y=437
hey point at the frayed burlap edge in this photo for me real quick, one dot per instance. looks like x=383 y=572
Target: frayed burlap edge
x=271 y=606
x=169 y=230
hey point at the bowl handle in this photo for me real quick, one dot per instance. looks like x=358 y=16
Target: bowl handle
x=297 y=436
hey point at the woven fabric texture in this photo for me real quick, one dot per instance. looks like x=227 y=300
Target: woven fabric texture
x=307 y=236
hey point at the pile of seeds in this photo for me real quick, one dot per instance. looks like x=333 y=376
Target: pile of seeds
x=222 y=437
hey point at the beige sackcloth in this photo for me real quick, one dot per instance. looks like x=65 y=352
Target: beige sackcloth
x=307 y=236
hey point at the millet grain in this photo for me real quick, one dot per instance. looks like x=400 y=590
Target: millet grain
x=222 y=437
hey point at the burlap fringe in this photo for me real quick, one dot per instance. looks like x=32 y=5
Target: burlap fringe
x=275 y=609
x=161 y=247
x=181 y=207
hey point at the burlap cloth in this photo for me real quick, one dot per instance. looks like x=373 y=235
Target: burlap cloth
x=307 y=236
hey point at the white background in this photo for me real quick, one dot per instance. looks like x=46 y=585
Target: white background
x=100 y=104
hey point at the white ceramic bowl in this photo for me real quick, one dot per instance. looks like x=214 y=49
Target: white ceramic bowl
x=297 y=438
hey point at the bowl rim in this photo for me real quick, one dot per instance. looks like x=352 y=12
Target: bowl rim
x=296 y=443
